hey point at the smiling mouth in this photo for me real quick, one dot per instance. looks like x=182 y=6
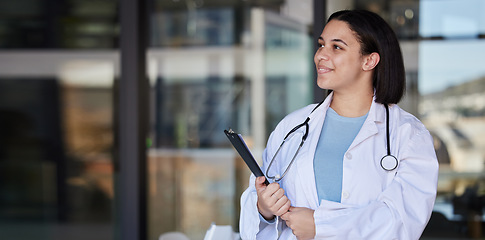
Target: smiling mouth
x=323 y=70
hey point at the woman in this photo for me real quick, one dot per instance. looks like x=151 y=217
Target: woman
x=338 y=187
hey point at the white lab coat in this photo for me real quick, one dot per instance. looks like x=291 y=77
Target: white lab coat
x=375 y=204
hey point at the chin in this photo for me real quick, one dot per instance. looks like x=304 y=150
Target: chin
x=322 y=84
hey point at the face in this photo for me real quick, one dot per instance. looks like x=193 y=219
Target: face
x=339 y=62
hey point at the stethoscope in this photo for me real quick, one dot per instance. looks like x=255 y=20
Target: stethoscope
x=388 y=162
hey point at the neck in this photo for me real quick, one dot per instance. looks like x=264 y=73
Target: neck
x=356 y=104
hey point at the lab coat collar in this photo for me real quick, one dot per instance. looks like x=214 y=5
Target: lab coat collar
x=376 y=115
x=322 y=109
x=377 y=112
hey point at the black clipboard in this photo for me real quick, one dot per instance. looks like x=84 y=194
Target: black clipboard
x=243 y=150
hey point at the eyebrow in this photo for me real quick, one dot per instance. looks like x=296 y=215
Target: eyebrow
x=335 y=40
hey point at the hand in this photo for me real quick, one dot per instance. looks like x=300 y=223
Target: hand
x=271 y=199
x=301 y=222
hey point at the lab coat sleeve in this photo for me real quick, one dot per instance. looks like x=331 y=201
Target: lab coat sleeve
x=250 y=224
x=401 y=211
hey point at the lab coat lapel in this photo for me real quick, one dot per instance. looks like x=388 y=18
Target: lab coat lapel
x=305 y=161
x=369 y=128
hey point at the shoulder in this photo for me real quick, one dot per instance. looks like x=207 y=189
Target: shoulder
x=413 y=141
x=404 y=120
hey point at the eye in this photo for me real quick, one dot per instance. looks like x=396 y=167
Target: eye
x=337 y=47
x=320 y=45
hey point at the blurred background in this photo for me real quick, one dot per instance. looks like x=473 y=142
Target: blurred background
x=211 y=65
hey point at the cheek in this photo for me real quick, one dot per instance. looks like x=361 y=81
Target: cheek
x=347 y=63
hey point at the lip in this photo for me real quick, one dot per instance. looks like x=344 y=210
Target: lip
x=323 y=69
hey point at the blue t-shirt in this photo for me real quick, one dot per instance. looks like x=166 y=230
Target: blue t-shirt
x=337 y=135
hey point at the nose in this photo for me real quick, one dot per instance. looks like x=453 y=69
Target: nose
x=323 y=57
x=321 y=54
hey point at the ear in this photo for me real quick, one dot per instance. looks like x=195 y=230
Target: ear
x=371 y=61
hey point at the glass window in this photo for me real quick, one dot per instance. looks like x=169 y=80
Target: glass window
x=452 y=86
x=212 y=65
x=452 y=18
x=216 y=66
x=56 y=116
x=56 y=171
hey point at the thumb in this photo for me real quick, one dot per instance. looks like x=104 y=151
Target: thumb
x=259 y=183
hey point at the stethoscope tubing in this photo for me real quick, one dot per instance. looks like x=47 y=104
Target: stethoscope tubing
x=389 y=162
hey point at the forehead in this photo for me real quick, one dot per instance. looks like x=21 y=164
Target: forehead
x=336 y=29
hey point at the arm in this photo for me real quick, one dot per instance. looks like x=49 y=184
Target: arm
x=252 y=224
x=259 y=206
x=249 y=221
x=259 y=222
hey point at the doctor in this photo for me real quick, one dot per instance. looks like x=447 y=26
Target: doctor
x=355 y=166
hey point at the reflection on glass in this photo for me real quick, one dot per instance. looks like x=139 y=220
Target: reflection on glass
x=216 y=68
x=56 y=119
x=449 y=63
x=56 y=166
x=452 y=18
x=193 y=27
x=452 y=105
x=288 y=68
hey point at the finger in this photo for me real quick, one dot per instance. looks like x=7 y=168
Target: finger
x=260 y=186
x=265 y=196
x=270 y=190
x=277 y=198
x=289 y=224
x=273 y=186
x=279 y=193
x=281 y=202
x=259 y=181
x=285 y=216
x=284 y=209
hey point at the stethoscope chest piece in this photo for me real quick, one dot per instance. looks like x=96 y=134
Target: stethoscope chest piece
x=389 y=162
